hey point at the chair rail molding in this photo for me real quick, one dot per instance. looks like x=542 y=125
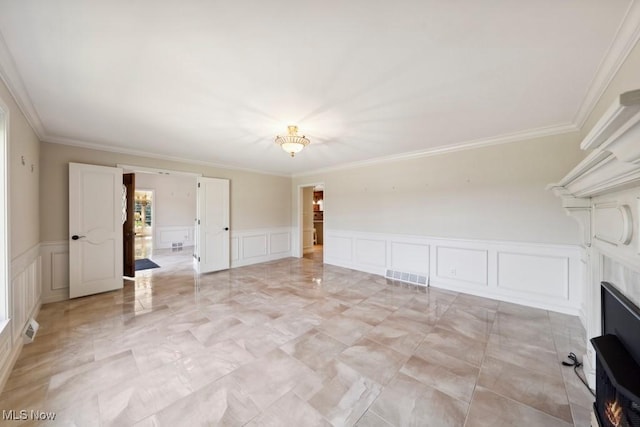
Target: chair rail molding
x=547 y=276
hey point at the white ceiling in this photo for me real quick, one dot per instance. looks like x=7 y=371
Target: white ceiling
x=216 y=81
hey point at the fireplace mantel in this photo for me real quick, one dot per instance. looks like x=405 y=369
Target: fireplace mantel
x=614 y=162
x=603 y=194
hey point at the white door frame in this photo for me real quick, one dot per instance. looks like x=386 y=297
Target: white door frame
x=298 y=247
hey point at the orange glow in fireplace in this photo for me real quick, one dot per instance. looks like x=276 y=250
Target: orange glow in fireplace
x=613 y=411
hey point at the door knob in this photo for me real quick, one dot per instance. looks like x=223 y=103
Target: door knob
x=76 y=237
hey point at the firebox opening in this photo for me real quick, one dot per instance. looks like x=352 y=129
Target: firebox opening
x=618 y=361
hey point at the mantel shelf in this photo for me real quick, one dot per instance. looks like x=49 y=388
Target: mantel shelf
x=614 y=163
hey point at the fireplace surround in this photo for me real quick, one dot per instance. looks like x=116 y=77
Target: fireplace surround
x=617 y=361
x=602 y=193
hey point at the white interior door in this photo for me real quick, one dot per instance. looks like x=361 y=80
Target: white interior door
x=212 y=225
x=95 y=229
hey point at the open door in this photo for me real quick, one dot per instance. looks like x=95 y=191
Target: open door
x=128 y=228
x=95 y=229
x=212 y=225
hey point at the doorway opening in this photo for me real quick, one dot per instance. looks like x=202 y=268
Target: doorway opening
x=144 y=218
x=163 y=206
x=312 y=221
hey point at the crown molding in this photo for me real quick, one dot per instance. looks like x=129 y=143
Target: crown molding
x=468 y=145
x=626 y=38
x=120 y=150
x=11 y=78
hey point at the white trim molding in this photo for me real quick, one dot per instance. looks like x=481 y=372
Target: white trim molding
x=11 y=78
x=612 y=222
x=24 y=303
x=538 y=275
x=626 y=38
x=614 y=163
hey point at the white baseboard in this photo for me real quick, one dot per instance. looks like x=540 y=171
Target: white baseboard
x=544 y=276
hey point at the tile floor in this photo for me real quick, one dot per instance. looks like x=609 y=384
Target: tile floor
x=296 y=343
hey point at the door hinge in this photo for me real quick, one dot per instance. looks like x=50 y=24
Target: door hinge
x=198 y=259
x=198 y=185
x=198 y=222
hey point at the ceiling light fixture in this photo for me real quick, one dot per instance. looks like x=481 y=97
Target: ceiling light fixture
x=292 y=143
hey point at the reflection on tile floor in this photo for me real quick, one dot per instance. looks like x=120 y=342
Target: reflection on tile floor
x=295 y=342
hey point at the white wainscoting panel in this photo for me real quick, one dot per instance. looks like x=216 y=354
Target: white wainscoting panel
x=534 y=274
x=254 y=246
x=25 y=289
x=338 y=247
x=24 y=303
x=539 y=275
x=166 y=236
x=55 y=271
x=260 y=245
x=280 y=243
x=371 y=252
x=462 y=264
x=410 y=257
x=5 y=346
x=59 y=270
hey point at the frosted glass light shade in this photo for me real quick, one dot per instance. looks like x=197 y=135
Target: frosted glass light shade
x=292 y=143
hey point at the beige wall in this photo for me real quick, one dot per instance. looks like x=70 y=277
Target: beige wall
x=257 y=200
x=24 y=211
x=494 y=193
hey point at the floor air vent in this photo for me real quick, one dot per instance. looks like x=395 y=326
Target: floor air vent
x=402 y=276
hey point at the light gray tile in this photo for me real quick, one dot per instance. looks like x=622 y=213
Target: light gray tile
x=407 y=402
x=489 y=409
x=543 y=392
x=345 y=395
x=315 y=342
x=375 y=361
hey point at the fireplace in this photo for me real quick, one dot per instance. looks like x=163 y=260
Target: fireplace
x=618 y=361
